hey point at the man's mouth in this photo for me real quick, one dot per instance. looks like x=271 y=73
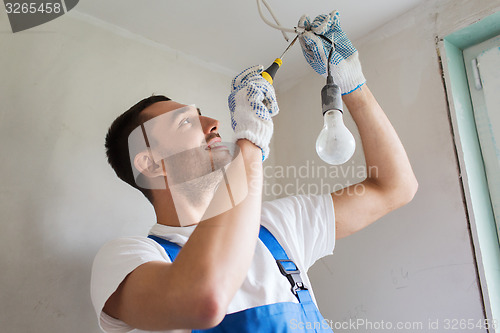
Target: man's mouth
x=215 y=143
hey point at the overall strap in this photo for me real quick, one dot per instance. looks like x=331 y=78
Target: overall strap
x=172 y=249
x=287 y=267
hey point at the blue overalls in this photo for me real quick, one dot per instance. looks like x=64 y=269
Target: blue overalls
x=279 y=317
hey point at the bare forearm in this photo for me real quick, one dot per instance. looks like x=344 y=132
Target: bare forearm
x=390 y=181
x=195 y=290
x=387 y=163
x=218 y=254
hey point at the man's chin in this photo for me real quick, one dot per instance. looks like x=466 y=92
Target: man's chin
x=199 y=190
x=223 y=154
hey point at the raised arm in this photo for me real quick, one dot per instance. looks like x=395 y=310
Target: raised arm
x=390 y=181
x=195 y=290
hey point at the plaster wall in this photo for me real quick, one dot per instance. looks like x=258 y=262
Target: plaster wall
x=61 y=86
x=64 y=82
x=417 y=263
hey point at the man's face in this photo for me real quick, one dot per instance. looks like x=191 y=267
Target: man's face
x=187 y=142
x=180 y=149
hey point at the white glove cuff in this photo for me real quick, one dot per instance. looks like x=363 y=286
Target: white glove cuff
x=348 y=74
x=260 y=134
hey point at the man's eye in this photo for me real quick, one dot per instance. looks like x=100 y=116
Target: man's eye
x=185 y=121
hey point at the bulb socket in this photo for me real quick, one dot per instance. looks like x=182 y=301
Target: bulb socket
x=331 y=96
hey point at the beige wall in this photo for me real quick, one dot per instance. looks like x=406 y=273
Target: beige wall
x=64 y=82
x=416 y=264
x=61 y=86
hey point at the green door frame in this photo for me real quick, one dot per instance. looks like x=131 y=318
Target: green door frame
x=475 y=188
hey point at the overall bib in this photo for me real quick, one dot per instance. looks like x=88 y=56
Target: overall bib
x=272 y=318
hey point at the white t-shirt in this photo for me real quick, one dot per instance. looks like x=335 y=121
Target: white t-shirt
x=303 y=225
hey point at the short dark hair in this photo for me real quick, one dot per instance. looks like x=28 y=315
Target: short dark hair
x=116 y=144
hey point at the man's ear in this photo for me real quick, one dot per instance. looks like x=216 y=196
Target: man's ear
x=144 y=162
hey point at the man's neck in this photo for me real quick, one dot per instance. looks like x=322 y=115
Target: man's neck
x=178 y=214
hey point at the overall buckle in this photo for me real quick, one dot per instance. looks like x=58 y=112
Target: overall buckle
x=292 y=273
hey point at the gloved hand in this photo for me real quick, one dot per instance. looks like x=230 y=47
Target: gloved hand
x=252 y=103
x=345 y=65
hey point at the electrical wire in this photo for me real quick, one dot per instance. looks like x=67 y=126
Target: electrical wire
x=294 y=30
x=329 y=53
x=277 y=25
x=329 y=61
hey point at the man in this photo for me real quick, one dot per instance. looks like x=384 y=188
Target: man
x=226 y=276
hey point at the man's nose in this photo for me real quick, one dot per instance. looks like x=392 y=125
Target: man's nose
x=209 y=125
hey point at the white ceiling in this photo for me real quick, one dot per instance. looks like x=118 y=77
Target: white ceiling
x=231 y=34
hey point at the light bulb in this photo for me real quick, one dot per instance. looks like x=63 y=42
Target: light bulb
x=335 y=144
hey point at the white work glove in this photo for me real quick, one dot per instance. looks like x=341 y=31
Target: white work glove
x=252 y=103
x=345 y=65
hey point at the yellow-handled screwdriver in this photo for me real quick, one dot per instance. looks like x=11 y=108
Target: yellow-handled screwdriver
x=270 y=72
